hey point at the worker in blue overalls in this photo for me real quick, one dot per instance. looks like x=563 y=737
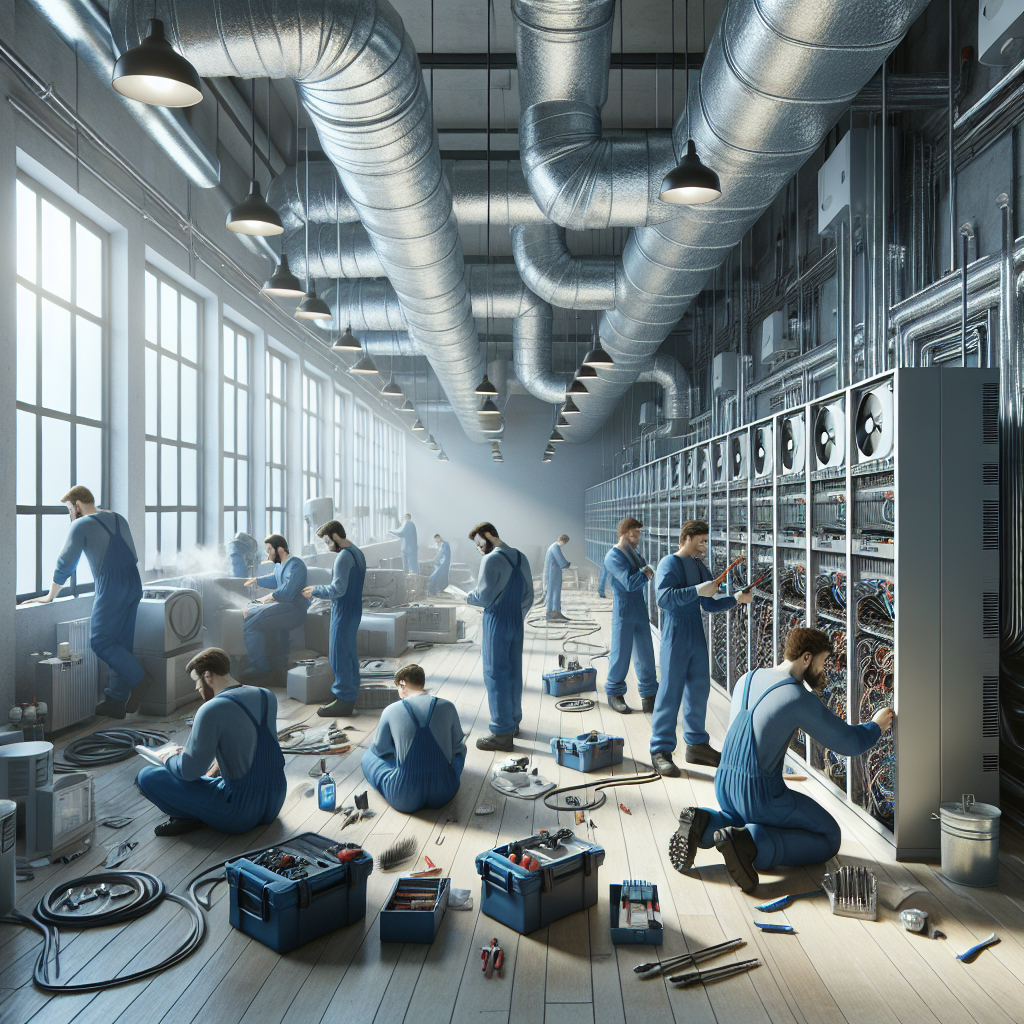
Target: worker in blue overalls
x=442 y=565
x=418 y=753
x=410 y=552
x=628 y=574
x=274 y=616
x=683 y=585
x=106 y=541
x=554 y=563
x=762 y=824
x=345 y=592
x=230 y=774
x=504 y=589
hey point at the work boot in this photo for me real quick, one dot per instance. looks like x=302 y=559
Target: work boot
x=683 y=846
x=664 y=765
x=703 y=754
x=619 y=704
x=494 y=742
x=737 y=847
x=647 y=705
x=135 y=698
x=515 y=732
x=557 y=617
x=110 y=708
x=177 y=826
x=337 y=709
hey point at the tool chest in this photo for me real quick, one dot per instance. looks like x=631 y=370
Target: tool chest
x=399 y=922
x=296 y=891
x=635 y=914
x=564 y=682
x=525 y=898
x=588 y=751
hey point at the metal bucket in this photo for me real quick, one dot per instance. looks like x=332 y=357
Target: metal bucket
x=970 y=842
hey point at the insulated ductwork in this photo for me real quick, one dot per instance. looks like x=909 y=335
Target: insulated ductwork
x=675 y=394
x=335 y=250
x=549 y=269
x=359 y=78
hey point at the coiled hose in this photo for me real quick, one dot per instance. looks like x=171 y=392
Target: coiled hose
x=106 y=746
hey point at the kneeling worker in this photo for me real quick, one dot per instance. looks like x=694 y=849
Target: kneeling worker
x=418 y=753
x=762 y=823
x=233 y=735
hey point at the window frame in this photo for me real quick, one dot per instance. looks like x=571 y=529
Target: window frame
x=236 y=508
x=312 y=442
x=270 y=401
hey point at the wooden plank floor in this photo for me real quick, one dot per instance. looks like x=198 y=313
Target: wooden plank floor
x=831 y=970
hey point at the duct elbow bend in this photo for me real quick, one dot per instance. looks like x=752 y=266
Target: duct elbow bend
x=549 y=269
x=675 y=385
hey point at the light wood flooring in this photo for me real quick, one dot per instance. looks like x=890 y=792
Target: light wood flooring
x=831 y=970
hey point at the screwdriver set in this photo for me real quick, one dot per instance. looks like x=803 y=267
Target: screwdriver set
x=414 y=910
x=635 y=913
x=853 y=892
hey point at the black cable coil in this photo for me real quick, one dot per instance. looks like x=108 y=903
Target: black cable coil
x=106 y=746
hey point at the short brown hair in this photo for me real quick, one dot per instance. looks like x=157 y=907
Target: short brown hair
x=804 y=640
x=275 y=540
x=563 y=539
x=211 y=659
x=411 y=674
x=693 y=528
x=328 y=530
x=627 y=524
x=483 y=529
x=79 y=493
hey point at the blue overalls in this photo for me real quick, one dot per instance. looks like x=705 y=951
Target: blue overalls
x=346 y=614
x=685 y=678
x=273 y=622
x=442 y=564
x=788 y=827
x=118 y=593
x=424 y=779
x=503 y=652
x=227 y=805
x=554 y=563
x=410 y=551
x=602 y=580
x=631 y=629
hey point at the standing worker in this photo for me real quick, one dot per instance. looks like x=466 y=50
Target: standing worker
x=442 y=565
x=410 y=552
x=106 y=541
x=683 y=586
x=628 y=573
x=273 y=617
x=345 y=592
x=554 y=563
x=763 y=824
x=504 y=589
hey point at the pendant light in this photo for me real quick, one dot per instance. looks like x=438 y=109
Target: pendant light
x=417 y=427
x=550 y=450
x=489 y=409
x=577 y=387
x=556 y=436
x=312 y=307
x=364 y=366
x=391 y=390
x=442 y=457
x=570 y=408
x=597 y=357
x=155 y=73
x=347 y=342
x=690 y=183
x=585 y=372
x=407 y=406
x=431 y=443
x=562 y=421
x=545 y=458
x=254 y=215
x=485 y=387
x=283 y=282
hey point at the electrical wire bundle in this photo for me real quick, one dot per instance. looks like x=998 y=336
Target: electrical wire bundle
x=761 y=624
x=571 y=634
x=106 y=746
x=876 y=665
x=834 y=698
x=876 y=606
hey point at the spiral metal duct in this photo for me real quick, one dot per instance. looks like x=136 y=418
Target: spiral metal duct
x=547 y=266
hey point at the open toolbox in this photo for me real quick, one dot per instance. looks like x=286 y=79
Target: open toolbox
x=635 y=913
x=588 y=751
x=414 y=910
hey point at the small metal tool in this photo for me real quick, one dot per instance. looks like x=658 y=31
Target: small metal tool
x=654 y=968
x=714 y=974
x=969 y=954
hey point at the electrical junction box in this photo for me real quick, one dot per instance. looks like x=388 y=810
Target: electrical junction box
x=650 y=414
x=774 y=344
x=841 y=181
x=1000 y=24
x=725 y=373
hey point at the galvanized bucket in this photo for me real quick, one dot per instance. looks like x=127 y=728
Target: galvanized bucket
x=969 y=842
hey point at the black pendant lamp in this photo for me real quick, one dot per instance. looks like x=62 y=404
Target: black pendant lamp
x=347 y=342
x=283 y=282
x=407 y=407
x=254 y=215
x=585 y=372
x=556 y=436
x=562 y=421
x=417 y=427
x=441 y=457
x=549 y=450
x=485 y=387
x=597 y=357
x=391 y=389
x=155 y=73
x=545 y=457
x=570 y=408
x=364 y=366
x=577 y=387
x=312 y=307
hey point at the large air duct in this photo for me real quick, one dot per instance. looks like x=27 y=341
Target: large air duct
x=548 y=268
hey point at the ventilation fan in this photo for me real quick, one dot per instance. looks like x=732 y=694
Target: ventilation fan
x=738 y=457
x=875 y=424
x=793 y=444
x=702 y=467
x=763 y=450
x=829 y=436
x=719 y=455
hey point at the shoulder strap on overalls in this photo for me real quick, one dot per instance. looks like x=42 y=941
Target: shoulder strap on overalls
x=240 y=703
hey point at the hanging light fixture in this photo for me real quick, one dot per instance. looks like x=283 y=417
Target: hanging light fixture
x=570 y=408
x=597 y=357
x=254 y=215
x=417 y=427
x=282 y=282
x=391 y=390
x=562 y=421
x=556 y=436
x=690 y=183
x=347 y=342
x=431 y=443
x=489 y=409
x=365 y=366
x=485 y=387
x=577 y=387
x=545 y=457
x=155 y=73
x=550 y=450
x=407 y=406
x=585 y=372
x=442 y=457
x=312 y=307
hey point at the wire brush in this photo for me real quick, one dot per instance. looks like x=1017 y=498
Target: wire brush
x=395 y=854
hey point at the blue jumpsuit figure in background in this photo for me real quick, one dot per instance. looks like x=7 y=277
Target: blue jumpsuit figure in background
x=762 y=824
x=273 y=617
x=628 y=574
x=602 y=580
x=345 y=592
x=242 y=549
x=442 y=564
x=106 y=541
x=684 y=585
x=230 y=774
x=504 y=589
x=554 y=563
x=419 y=751
x=410 y=552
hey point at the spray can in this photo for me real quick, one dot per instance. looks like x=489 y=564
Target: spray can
x=325 y=789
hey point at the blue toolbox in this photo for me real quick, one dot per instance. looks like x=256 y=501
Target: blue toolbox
x=588 y=751
x=635 y=913
x=288 y=894
x=529 y=883
x=567 y=681
x=414 y=910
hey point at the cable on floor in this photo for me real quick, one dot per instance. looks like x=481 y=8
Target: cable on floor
x=106 y=746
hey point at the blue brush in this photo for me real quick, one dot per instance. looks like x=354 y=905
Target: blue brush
x=784 y=901
x=977 y=948
x=765 y=927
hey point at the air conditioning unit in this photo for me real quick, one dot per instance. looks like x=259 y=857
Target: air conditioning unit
x=774 y=345
x=874 y=425
x=791 y=442
x=841 y=181
x=1000 y=25
x=173 y=687
x=763 y=437
x=387 y=584
x=434 y=624
x=725 y=373
x=719 y=461
x=169 y=619
x=382 y=634
x=829 y=436
x=738 y=457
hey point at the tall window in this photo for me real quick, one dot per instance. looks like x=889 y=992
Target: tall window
x=383 y=516
x=277 y=379
x=237 y=347
x=172 y=420
x=60 y=374
x=396 y=465
x=312 y=484
x=340 y=454
x=361 y=472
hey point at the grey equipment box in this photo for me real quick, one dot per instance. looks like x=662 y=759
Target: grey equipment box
x=309 y=682
x=382 y=635
x=318 y=631
x=172 y=686
x=169 y=619
x=388 y=584
x=435 y=624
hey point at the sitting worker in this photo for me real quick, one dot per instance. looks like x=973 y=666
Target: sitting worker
x=230 y=774
x=417 y=755
x=628 y=573
x=762 y=823
x=410 y=552
x=442 y=564
x=684 y=586
x=106 y=541
x=554 y=563
x=242 y=549
x=268 y=621
x=345 y=592
x=504 y=589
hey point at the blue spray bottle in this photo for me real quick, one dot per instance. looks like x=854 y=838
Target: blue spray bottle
x=325 y=789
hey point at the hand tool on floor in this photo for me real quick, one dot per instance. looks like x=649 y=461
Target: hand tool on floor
x=969 y=954
x=714 y=974
x=784 y=901
x=492 y=958
x=654 y=968
x=765 y=926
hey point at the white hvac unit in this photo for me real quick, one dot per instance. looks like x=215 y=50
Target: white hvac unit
x=738 y=457
x=69 y=686
x=791 y=442
x=169 y=619
x=874 y=424
x=719 y=461
x=774 y=345
x=650 y=414
x=829 y=436
x=763 y=452
x=172 y=686
x=725 y=373
x=841 y=181
x=386 y=584
x=1000 y=25
x=434 y=624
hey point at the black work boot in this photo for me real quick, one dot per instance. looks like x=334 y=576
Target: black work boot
x=664 y=765
x=737 y=847
x=683 y=846
x=110 y=708
x=177 y=826
x=138 y=694
x=493 y=742
x=647 y=705
x=703 y=754
x=336 y=709
x=619 y=704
